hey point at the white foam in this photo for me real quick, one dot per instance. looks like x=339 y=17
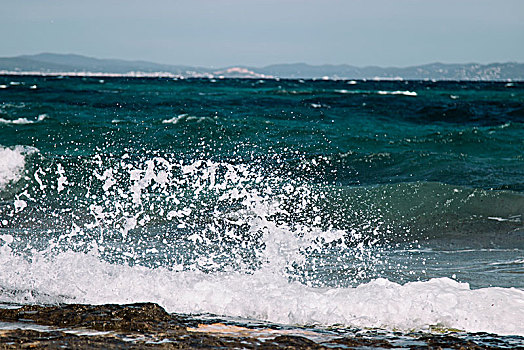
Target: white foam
x=175 y=120
x=7 y=238
x=185 y=117
x=20 y=205
x=405 y=93
x=382 y=92
x=264 y=295
x=12 y=162
x=23 y=121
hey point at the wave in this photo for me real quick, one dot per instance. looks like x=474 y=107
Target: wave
x=185 y=117
x=23 y=121
x=342 y=91
x=379 y=92
x=158 y=190
x=83 y=278
x=247 y=240
x=398 y=92
x=444 y=214
x=219 y=216
x=482 y=113
x=12 y=162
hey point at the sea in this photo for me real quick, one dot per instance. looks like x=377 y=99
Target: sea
x=389 y=205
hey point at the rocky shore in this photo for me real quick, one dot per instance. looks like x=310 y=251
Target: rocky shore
x=141 y=326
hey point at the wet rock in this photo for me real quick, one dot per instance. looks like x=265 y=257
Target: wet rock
x=450 y=342
x=32 y=339
x=145 y=317
x=296 y=342
x=363 y=342
x=148 y=326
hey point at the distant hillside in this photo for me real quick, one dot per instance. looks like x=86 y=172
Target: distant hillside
x=49 y=63
x=436 y=71
x=57 y=63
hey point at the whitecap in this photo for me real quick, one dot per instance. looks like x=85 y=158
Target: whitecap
x=185 y=117
x=175 y=120
x=12 y=162
x=263 y=295
x=23 y=121
x=405 y=93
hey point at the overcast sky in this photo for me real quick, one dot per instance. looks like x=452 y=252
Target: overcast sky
x=217 y=33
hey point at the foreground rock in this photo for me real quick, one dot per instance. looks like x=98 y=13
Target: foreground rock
x=141 y=326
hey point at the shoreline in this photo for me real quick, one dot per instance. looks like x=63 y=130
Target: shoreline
x=168 y=75
x=147 y=325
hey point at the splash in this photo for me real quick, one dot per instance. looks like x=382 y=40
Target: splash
x=12 y=163
x=85 y=278
x=194 y=215
x=226 y=237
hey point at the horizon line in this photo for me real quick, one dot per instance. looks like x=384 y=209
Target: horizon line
x=263 y=66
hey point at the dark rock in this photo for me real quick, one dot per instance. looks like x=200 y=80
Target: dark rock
x=450 y=342
x=148 y=326
x=129 y=318
x=32 y=339
x=358 y=342
x=296 y=342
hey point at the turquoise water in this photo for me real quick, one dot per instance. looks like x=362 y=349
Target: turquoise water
x=466 y=134
x=325 y=184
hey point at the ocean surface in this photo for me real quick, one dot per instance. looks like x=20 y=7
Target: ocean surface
x=368 y=204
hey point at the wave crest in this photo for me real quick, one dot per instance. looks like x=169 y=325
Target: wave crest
x=12 y=162
x=23 y=121
x=79 y=277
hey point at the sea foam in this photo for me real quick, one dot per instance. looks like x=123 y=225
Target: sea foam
x=23 y=121
x=185 y=117
x=405 y=93
x=12 y=162
x=263 y=295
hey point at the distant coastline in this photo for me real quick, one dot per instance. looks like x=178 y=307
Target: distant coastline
x=49 y=64
x=97 y=74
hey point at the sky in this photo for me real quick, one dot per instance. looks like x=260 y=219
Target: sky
x=218 y=33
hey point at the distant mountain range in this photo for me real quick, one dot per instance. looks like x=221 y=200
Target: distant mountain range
x=60 y=64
